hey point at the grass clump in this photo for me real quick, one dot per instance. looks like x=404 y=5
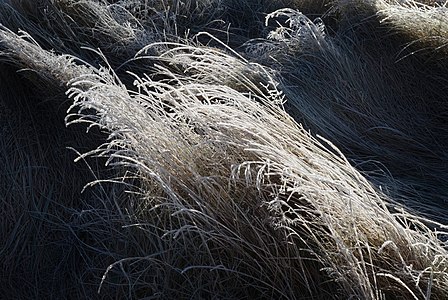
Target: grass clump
x=284 y=160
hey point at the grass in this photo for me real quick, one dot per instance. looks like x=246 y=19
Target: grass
x=234 y=152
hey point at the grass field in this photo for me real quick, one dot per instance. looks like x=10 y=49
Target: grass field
x=223 y=149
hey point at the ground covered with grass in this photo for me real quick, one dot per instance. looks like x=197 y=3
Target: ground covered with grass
x=223 y=149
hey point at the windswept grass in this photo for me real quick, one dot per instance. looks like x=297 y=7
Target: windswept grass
x=372 y=111
x=271 y=158
x=279 y=175
x=425 y=27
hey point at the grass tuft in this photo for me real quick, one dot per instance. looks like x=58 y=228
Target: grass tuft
x=223 y=149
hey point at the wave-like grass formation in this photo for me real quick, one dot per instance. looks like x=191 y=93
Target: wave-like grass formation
x=223 y=149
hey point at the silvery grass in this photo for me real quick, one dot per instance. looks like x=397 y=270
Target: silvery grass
x=232 y=198
x=121 y=28
x=44 y=247
x=74 y=26
x=422 y=25
x=233 y=190
x=384 y=116
x=232 y=171
x=425 y=27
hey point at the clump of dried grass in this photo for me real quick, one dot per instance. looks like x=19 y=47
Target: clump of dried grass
x=425 y=28
x=217 y=159
x=420 y=25
x=373 y=111
x=228 y=196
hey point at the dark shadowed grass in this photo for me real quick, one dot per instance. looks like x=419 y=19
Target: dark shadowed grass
x=301 y=196
x=372 y=106
x=208 y=176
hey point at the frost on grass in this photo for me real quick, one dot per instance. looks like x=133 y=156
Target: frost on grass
x=230 y=173
x=231 y=166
